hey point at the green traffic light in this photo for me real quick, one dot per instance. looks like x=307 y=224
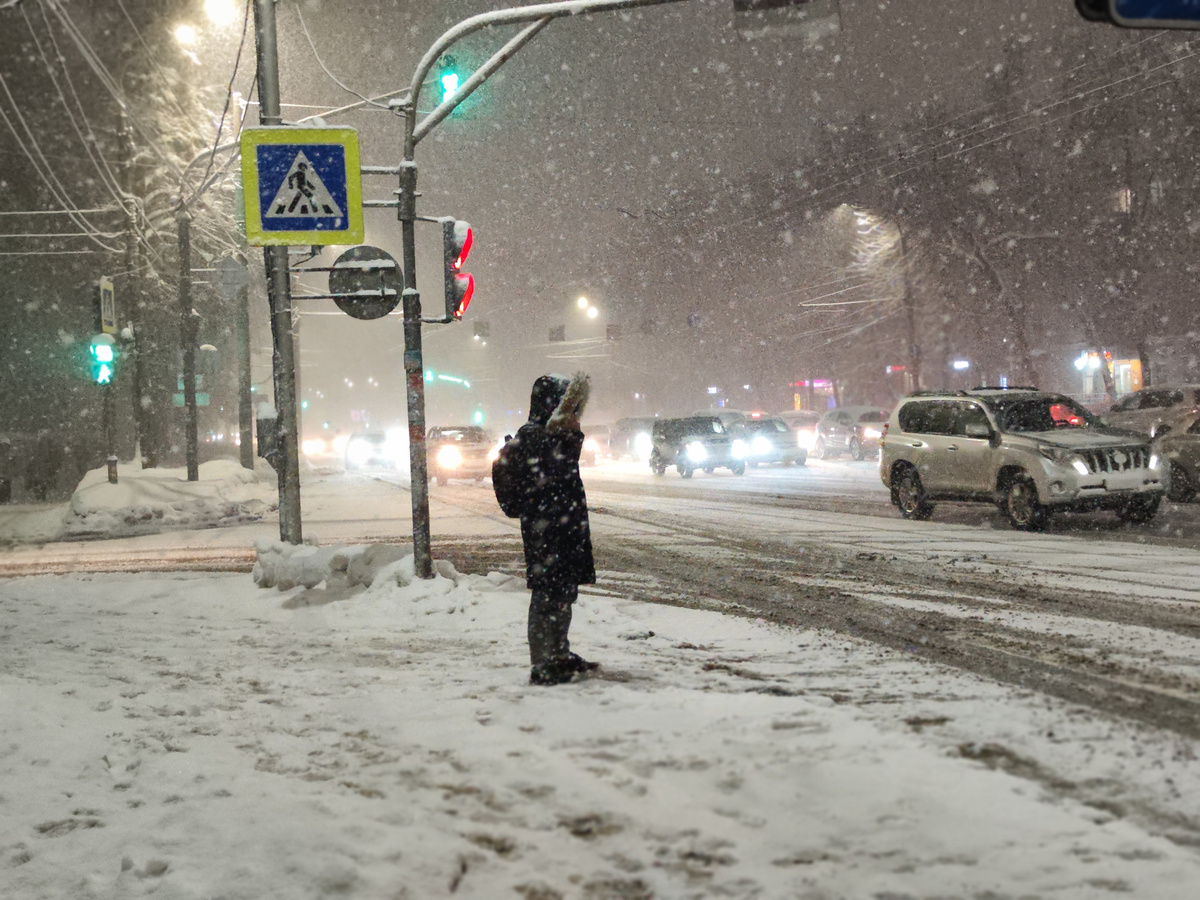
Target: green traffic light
x=449 y=85
x=104 y=359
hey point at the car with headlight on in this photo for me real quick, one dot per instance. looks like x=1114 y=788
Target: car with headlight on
x=1031 y=452
x=850 y=429
x=803 y=423
x=696 y=442
x=459 y=451
x=630 y=438
x=370 y=448
x=1176 y=437
x=770 y=440
x=595 y=442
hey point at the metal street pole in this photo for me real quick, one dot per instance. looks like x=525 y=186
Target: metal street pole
x=537 y=16
x=279 y=294
x=187 y=340
x=245 y=398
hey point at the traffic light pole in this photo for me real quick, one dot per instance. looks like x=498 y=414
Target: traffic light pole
x=537 y=17
x=279 y=294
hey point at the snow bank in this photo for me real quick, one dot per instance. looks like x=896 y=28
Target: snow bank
x=151 y=500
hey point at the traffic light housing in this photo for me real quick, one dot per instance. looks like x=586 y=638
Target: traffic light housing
x=457 y=238
x=449 y=79
x=103 y=351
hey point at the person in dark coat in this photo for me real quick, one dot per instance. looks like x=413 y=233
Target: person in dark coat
x=554 y=525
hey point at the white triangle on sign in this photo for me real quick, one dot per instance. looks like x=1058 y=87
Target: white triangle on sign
x=302 y=194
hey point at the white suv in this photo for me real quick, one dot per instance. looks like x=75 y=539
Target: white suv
x=1028 y=451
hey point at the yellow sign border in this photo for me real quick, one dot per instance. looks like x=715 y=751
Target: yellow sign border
x=354 y=233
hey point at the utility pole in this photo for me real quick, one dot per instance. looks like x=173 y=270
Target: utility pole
x=187 y=339
x=131 y=292
x=279 y=294
x=245 y=399
x=910 y=315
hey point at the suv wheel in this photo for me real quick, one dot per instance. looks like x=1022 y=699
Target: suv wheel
x=819 y=449
x=1182 y=490
x=708 y=470
x=856 y=450
x=684 y=471
x=1140 y=510
x=909 y=496
x=657 y=466
x=1021 y=503
x=738 y=468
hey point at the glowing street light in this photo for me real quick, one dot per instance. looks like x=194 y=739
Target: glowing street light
x=221 y=12
x=582 y=302
x=186 y=34
x=592 y=312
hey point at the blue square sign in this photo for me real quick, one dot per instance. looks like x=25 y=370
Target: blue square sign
x=302 y=186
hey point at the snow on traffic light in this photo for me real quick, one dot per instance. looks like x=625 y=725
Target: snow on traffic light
x=457 y=238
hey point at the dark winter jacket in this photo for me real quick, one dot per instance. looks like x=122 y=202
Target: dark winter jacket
x=555 y=531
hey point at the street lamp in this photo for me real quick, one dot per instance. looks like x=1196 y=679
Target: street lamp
x=592 y=312
x=582 y=303
x=186 y=35
x=221 y=12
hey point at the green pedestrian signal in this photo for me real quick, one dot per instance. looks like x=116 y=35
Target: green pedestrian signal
x=449 y=82
x=103 y=351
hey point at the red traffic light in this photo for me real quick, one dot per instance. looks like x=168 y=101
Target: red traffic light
x=457 y=238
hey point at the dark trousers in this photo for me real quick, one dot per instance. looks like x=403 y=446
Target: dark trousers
x=549 y=622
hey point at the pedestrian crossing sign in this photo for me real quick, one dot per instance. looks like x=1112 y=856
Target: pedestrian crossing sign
x=302 y=186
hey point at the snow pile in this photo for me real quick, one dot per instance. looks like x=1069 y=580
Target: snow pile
x=380 y=567
x=145 y=501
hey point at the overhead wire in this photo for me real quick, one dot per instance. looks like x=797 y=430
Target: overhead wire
x=848 y=179
x=107 y=176
x=229 y=94
x=42 y=166
x=332 y=77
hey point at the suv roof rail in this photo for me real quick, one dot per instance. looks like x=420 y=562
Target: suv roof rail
x=946 y=393
x=1005 y=387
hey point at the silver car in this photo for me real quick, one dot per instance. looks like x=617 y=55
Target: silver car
x=1177 y=440
x=1142 y=410
x=1028 y=451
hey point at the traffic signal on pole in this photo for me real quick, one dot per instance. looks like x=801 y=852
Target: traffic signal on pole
x=456 y=246
x=103 y=351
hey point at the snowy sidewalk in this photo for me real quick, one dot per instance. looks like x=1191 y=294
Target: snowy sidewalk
x=195 y=736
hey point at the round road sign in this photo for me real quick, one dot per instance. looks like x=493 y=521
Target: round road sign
x=369 y=282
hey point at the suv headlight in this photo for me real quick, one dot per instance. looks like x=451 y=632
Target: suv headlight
x=696 y=452
x=449 y=457
x=760 y=446
x=1065 y=458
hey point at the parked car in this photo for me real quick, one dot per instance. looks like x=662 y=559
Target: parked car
x=770 y=440
x=695 y=442
x=459 y=451
x=630 y=439
x=370 y=448
x=852 y=429
x=804 y=423
x=1142 y=410
x=1031 y=452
